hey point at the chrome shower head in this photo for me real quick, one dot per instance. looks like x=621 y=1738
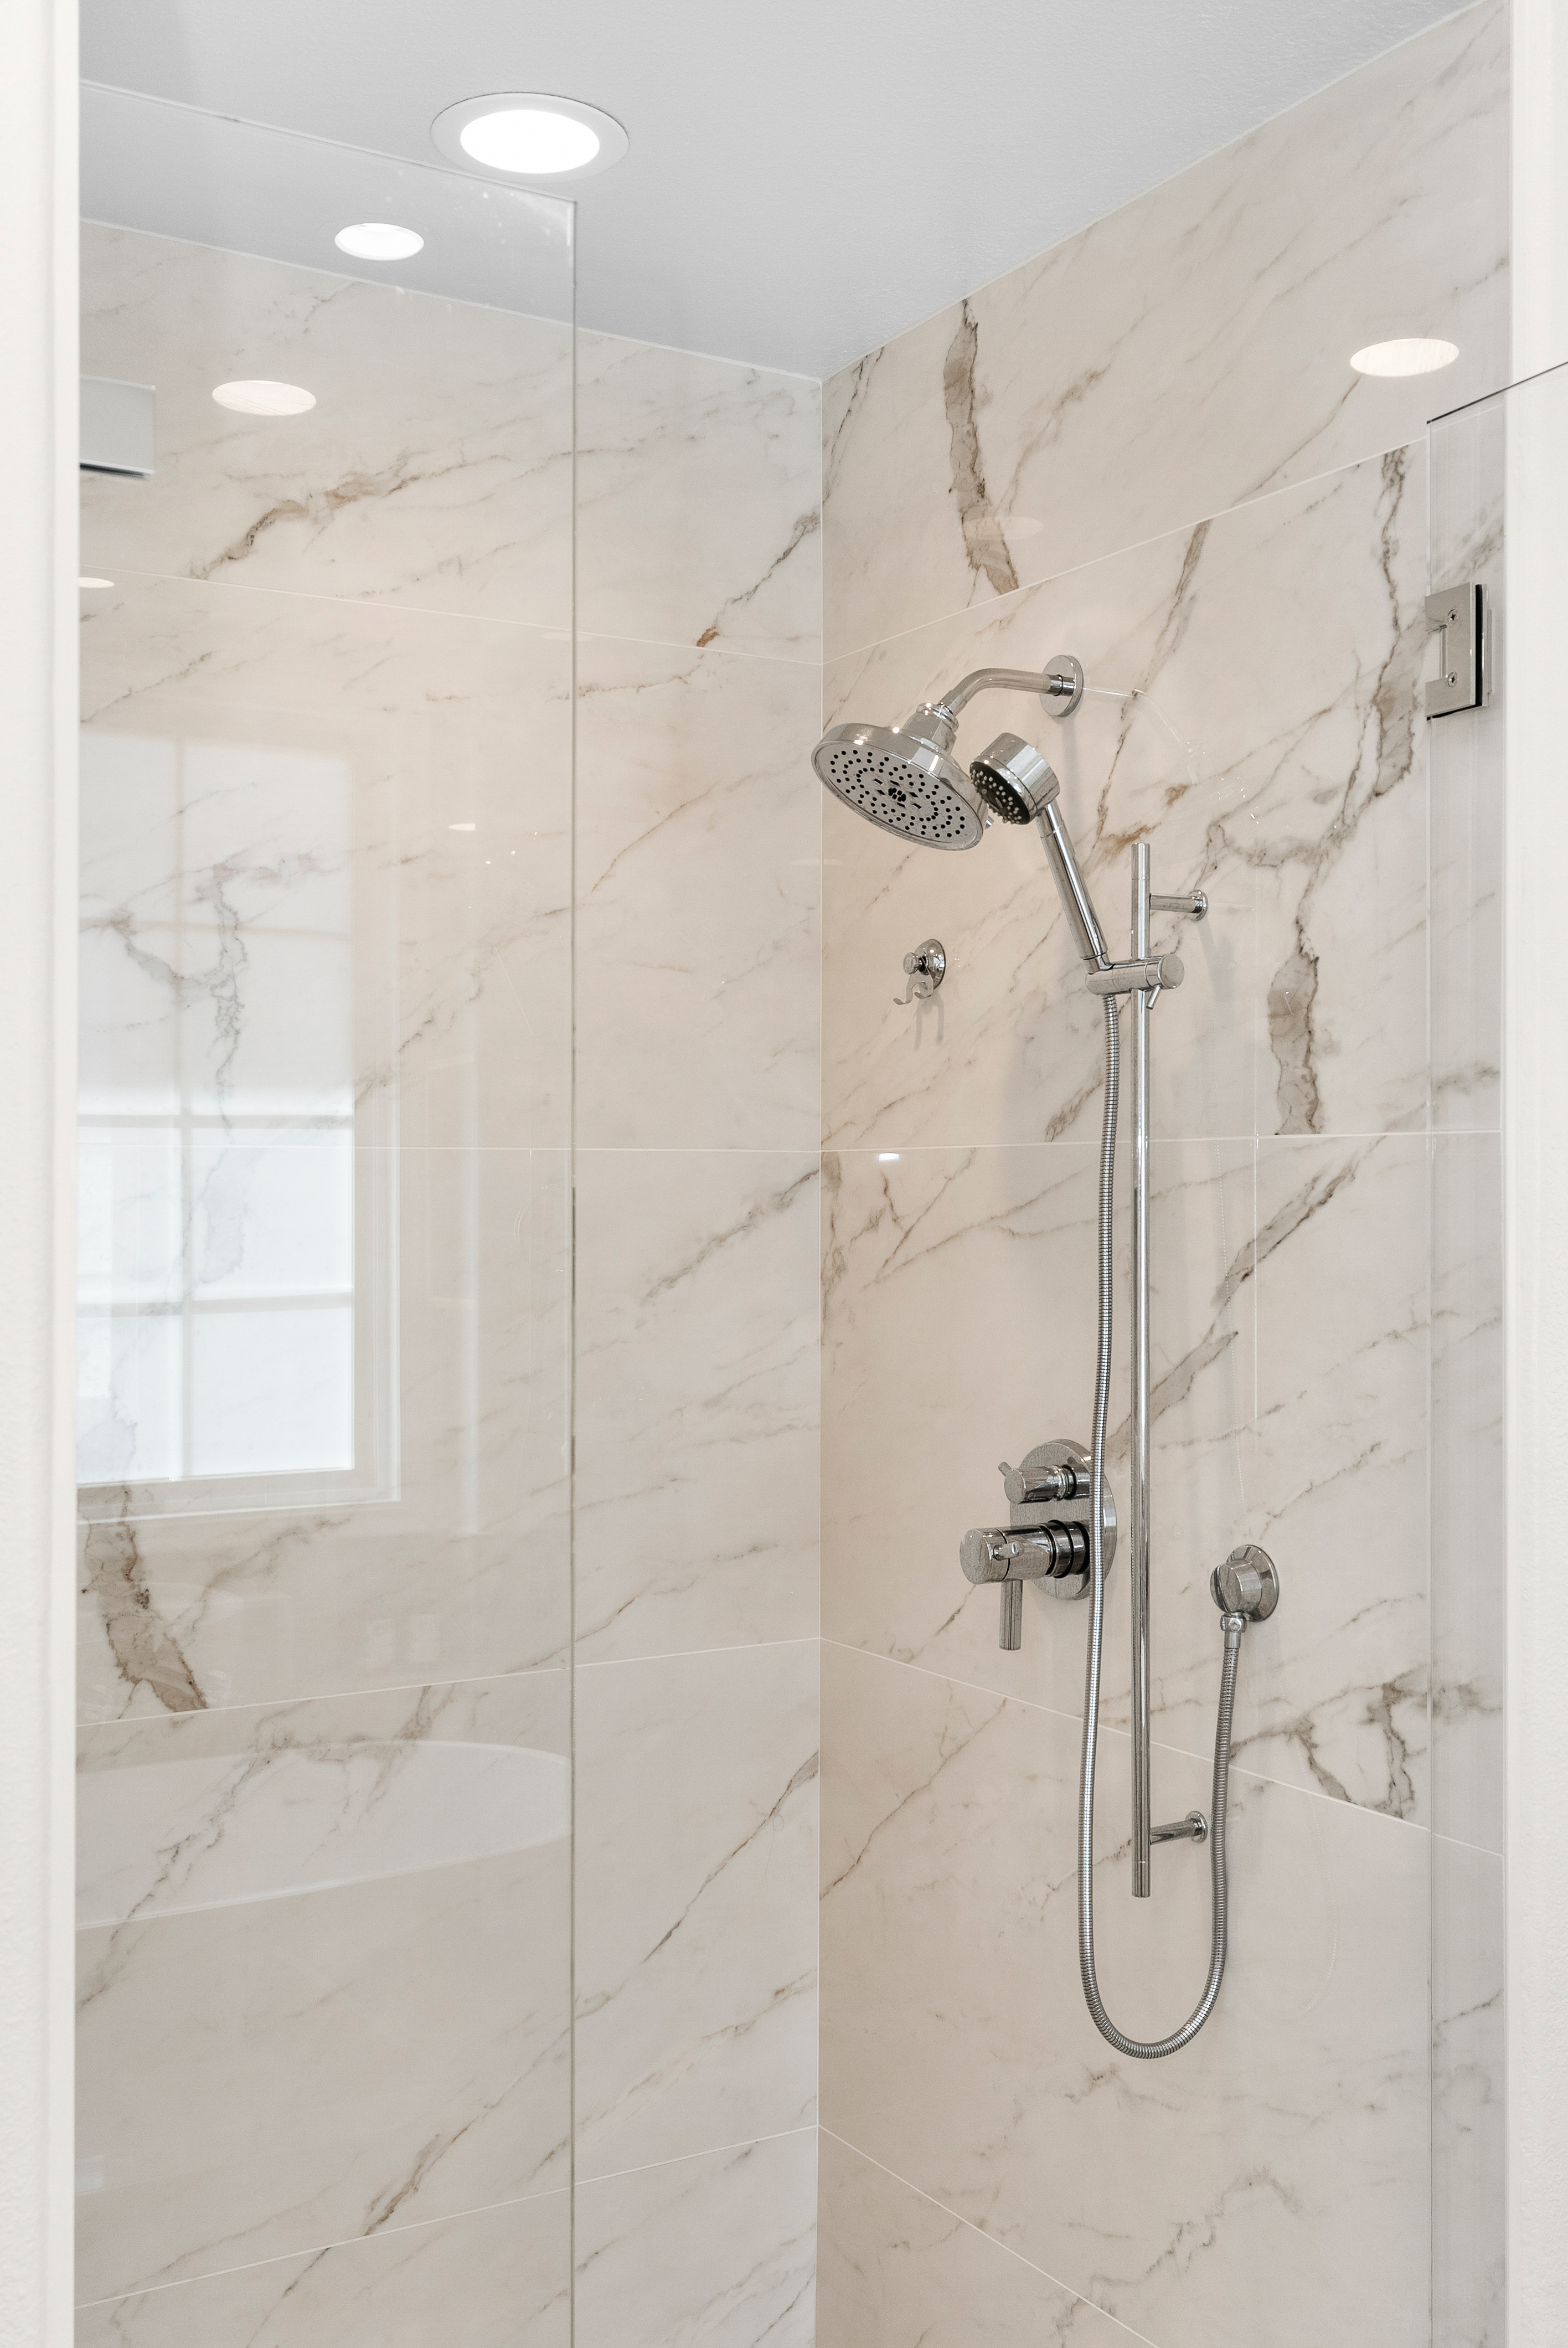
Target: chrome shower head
x=903 y=778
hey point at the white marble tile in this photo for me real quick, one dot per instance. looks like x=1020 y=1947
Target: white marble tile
x=458 y=1564
x=315 y=2014
x=319 y=873
x=699 y=499
x=894 y=2269
x=1188 y=351
x=696 y=1852
x=719 y=2250
x=493 y=2278
x=1470 y=2205
x=1469 y=1548
x=434 y=469
x=698 y=877
x=1251 y=2187
x=1278 y=767
x=698 y=1369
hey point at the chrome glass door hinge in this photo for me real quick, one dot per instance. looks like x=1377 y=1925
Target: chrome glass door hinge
x=1462 y=620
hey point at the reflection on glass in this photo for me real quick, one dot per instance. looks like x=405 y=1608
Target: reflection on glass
x=216 y=1209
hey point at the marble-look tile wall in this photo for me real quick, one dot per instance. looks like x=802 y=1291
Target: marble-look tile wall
x=697 y=1332
x=1147 y=447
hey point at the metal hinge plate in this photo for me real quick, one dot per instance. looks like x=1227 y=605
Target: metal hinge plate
x=1463 y=622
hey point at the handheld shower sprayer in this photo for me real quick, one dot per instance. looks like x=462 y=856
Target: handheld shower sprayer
x=1062 y=1536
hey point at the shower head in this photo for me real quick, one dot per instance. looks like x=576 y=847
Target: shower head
x=902 y=778
x=905 y=778
x=1013 y=780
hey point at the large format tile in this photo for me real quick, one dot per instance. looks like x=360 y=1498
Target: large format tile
x=696 y=1850
x=698 y=845
x=699 y=497
x=1254 y=2187
x=1469 y=2202
x=720 y=2249
x=894 y=2269
x=1288 y=1365
x=325 y=1974
x=494 y=2279
x=1188 y=351
x=434 y=468
x=450 y=1554
x=1278 y=767
x=698 y=1369
x=316 y=876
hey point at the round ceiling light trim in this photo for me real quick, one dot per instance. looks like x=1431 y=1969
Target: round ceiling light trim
x=379 y=241
x=259 y=397
x=529 y=135
x=1413 y=355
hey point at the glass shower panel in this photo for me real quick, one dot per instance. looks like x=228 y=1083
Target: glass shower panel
x=325 y=1261
x=1467 y=474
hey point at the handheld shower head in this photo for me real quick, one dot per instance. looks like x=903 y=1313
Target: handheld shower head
x=902 y=778
x=1016 y=783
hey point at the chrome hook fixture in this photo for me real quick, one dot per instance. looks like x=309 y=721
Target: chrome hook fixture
x=925 y=969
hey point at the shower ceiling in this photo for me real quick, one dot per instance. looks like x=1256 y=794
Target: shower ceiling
x=804 y=181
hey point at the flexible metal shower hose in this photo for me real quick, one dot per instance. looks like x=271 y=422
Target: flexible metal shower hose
x=1234 y=1624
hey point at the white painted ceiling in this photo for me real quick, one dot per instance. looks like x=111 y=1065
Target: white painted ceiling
x=805 y=178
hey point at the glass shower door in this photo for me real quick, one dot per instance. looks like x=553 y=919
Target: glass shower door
x=324 y=1288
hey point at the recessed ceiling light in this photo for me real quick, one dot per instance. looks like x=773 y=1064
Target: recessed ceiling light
x=1415 y=355
x=459 y=827
x=378 y=240
x=95 y=582
x=264 y=398
x=523 y=135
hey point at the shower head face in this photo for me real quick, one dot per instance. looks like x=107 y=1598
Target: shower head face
x=1013 y=780
x=901 y=781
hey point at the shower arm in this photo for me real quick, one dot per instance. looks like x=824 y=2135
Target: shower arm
x=1059 y=686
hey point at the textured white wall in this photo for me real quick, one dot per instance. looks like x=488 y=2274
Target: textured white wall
x=37 y=1022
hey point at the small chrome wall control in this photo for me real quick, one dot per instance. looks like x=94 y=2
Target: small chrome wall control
x=925 y=969
x=1463 y=619
x=1047 y=1540
x=1247 y=1583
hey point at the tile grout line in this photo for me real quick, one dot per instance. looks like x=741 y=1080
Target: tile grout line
x=1005 y=2247
x=1179 y=1751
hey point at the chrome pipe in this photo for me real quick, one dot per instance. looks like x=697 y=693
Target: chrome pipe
x=1138 y=1566
x=1072 y=889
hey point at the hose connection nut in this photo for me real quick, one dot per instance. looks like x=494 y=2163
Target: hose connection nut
x=1247 y=1583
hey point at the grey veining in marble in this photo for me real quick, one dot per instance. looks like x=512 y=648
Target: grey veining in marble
x=894 y=2269
x=309 y=2014
x=720 y=2249
x=506 y=2270
x=696 y=1852
x=1280 y=2174
x=434 y=469
x=1188 y=353
x=698 y=1366
x=698 y=938
x=699 y=501
x=1296 y=801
